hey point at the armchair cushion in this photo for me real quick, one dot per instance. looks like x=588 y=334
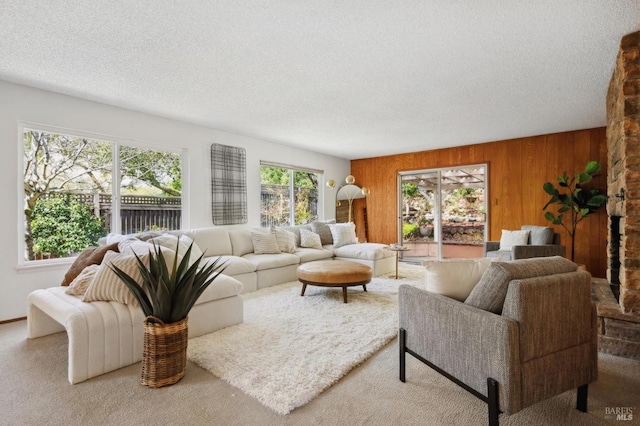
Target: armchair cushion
x=509 y=239
x=489 y=294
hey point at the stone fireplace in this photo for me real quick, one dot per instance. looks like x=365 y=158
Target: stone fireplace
x=619 y=296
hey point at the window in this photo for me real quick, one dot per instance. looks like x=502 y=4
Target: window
x=282 y=184
x=77 y=189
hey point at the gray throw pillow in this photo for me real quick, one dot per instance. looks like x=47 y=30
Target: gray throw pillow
x=490 y=292
x=539 y=235
x=322 y=229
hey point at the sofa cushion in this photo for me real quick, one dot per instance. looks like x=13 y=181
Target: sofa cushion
x=509 y=239
x=454 y=278
x=270 y=261
x=309 y=255
x=234 y=265
x=364 y=251
x=89 y=256
x=310 y=239
x=322 y=229
x=490 y=292
x=264 y=243
x=343 y=234
x=223 y=286
x=213 y=241
x=241 y=243
x=539 y=235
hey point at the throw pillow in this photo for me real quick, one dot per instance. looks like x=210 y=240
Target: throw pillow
x=106 y=285
x=322 y=229
x=89 y=256
x=182 y=243
x=539 y=235
x=286 y=240
x=509 y=239
x=490 y=292
x=79 y=285
x=310 y=239
x=343 y=234
x=455 y=278
x=264 y=243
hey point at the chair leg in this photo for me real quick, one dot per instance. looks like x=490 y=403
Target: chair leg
x=492 y=401
x=401 y=344
x=581 y=400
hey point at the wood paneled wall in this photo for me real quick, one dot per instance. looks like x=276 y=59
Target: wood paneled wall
x=517 y=169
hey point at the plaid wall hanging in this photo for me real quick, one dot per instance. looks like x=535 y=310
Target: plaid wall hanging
x=228 y=185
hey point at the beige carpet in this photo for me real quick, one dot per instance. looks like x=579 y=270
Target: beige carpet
x=35 y=391
x=290 y=348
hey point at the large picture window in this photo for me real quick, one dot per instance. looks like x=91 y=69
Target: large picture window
x=288 y=196
x=77 y=189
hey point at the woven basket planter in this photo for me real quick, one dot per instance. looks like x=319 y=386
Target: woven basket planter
x=164 y=356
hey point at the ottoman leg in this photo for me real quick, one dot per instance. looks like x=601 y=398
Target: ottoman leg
x=364 y=286
x=304 y=287
x=344 y=293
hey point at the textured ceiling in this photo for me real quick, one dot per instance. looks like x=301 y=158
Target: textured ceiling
x=354 y=79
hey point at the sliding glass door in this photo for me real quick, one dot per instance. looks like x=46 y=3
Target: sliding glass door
x=443 y=212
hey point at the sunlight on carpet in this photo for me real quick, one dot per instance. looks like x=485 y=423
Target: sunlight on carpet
x=290 y=348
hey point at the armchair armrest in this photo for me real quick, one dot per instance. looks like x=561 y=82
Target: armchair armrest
x=543 y=250
x=491 y=246
x=468 y=343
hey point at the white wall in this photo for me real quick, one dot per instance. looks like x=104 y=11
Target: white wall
x=21 y=103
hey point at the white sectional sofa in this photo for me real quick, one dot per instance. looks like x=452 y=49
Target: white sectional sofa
x=106 y=335
x=256 y=271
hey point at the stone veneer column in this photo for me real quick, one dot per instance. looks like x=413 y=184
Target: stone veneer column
x=623 y=145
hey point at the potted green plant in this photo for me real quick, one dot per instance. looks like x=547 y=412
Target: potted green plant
x=166 y=295
x=575 y=203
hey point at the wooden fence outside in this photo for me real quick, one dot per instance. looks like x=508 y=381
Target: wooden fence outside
x=137 y=212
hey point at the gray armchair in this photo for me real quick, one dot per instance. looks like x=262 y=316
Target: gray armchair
x=526 y=332
x=543 y=242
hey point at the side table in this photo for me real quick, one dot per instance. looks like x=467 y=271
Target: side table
x=397 y=248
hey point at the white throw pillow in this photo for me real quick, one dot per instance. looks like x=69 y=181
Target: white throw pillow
x=171 y=241
x=455 y=278
x=286 y=240
x=264 y=243
x=309 y=239
x=80 y=283
x=343 y=234
x=107 y=286
x=509 y=239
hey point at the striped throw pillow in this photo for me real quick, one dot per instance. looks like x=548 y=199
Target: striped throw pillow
x=264 y=243
x=286 y=240
x=106 y=285
x=310 y=239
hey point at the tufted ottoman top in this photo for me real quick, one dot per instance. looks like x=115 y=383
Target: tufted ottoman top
x=334 y=272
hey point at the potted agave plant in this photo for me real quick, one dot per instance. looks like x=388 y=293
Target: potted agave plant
x=166 y=295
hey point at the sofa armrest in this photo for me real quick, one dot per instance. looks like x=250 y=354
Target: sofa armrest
x=468 y=343
x=544 y=250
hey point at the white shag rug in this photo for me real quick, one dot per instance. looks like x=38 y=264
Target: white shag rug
x=290 y=348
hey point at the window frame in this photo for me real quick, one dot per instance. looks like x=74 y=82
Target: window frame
x=292 y=169
x=117 y=141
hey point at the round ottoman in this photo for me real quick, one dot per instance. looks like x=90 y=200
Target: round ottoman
x=334 y=273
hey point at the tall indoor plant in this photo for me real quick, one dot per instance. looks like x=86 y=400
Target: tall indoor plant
x=574 y=202
x=166 y=295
